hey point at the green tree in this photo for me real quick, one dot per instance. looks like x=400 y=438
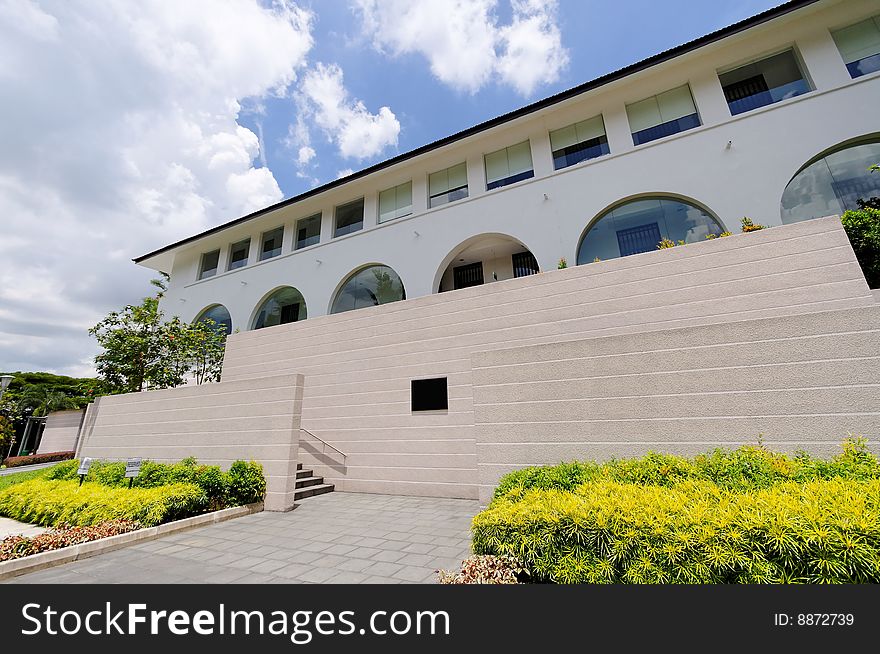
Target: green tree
x=142 y=350
x=42 y=400
x=7 y=435
x=204 y=343
x=136 y=347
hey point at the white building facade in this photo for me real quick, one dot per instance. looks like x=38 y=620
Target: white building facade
x=736 y=124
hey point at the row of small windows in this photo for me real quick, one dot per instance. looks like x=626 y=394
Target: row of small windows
x=830 y=184
x=747 y=87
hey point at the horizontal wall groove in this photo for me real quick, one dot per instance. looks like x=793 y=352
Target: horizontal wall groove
x=670 y=372
x=678 y=349
x=749 y=391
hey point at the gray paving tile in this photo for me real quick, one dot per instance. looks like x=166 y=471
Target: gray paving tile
x=390 y=556
x=320 y=575
x=415 y=559
x=333 y=538
x=383 y=568
x=355 y=565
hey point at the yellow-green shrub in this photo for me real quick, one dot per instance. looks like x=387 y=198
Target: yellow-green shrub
x=748 y=467
x=823 y=531
x=52 y=503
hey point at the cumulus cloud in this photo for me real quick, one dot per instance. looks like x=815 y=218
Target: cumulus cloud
x=466 y=44
x=304 y=155
x=357 y=133
x=120 y=133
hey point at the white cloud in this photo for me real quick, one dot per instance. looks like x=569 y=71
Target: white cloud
x=344 y=173
x=356 y=132
x=304 y=155
x=464 y=43
x=123 y=136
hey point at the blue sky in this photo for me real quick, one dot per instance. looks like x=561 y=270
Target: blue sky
x=137 y=124
x=599 y=37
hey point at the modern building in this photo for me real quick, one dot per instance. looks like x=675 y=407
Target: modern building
x=774 y=118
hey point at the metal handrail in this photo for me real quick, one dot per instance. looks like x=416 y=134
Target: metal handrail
x=325 y=443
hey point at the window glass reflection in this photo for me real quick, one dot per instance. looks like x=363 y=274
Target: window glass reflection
x=638 y=226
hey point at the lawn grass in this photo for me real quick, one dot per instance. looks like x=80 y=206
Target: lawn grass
x=18 y=477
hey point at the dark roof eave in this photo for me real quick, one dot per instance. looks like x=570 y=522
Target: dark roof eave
x=549 y=101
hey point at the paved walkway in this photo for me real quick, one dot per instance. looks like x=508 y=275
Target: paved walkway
x=17 y=469
x=332 y=538
x=10 y=527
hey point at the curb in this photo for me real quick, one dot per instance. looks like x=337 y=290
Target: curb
x=52 y=558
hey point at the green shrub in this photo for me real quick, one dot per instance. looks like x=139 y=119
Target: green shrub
x=64 y=470
x=822 y=531
x=243 y=484
x=863 y=228
x=748 y=467
x=59 y=502
x=246 y=483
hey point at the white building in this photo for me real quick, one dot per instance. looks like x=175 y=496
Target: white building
x=774 y=118
x=683 y=349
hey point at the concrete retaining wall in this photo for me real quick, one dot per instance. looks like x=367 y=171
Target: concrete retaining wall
x=257 y=419
x=61 y=431
x=803 y=382
x=358 y=365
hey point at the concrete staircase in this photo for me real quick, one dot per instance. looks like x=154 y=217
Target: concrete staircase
x=307 y=485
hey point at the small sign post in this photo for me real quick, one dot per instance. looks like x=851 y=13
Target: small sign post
x=84 y=466
x=132 y=469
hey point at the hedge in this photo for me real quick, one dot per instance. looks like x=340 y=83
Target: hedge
x=749 y=467
x=748 y=515
x=242 y=484
x=696 y=532
x=32 y=459
x=57 y=502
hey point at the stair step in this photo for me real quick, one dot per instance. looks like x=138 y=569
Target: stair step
x=300 y=474
x=305 y=482
x=320 y=489
x=299 y=466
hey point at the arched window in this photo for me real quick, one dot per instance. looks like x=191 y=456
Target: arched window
x=833 y=183
x=369 y=287
x=639 y=225
x=220 y=315
x=283 y=305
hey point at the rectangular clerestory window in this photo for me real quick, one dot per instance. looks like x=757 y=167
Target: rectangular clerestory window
x=859 y=46
x=349 y=218
x=238 y=254
x=271 y=243
x=509 y=165
x=662 y=115
x=395 y=202
x=448 y=185
x=763 y=82
x=308 y=231
x=208 y=264
x=579 y=142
